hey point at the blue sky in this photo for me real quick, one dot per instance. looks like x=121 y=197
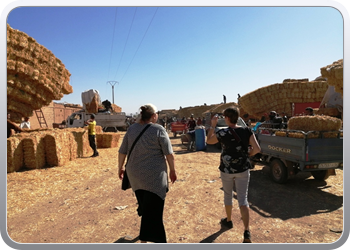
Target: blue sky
x=183 y=56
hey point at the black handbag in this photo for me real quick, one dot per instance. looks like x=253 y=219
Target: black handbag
x=125 y=182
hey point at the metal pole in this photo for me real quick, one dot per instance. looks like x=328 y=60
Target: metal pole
x=112 y=83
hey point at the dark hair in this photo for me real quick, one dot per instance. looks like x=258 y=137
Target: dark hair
x=146 y=112
x=92 y=116
x=232 y=114
x=309 y=109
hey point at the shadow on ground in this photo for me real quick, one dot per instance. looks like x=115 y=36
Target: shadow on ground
x=300 y=196
x=127 y=239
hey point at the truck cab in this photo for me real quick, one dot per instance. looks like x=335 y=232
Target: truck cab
x=107 y=120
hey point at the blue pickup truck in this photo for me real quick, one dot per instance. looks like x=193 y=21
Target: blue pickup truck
x=314 y=152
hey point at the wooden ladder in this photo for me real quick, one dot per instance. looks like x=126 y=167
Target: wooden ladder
x=41 y=119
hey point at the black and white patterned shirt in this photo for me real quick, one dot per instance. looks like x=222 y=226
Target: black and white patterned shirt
x=234 y=156
x=147 y=167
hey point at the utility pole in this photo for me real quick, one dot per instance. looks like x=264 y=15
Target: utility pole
x=112 y=83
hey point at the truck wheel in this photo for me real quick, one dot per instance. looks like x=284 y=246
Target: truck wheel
x=320 y=175
x=278 y=171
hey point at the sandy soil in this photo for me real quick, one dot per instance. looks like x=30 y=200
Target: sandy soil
x=82 y=202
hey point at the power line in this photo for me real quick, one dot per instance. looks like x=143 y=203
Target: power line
x=110 y=57
x=140 y=43
x=125 y=43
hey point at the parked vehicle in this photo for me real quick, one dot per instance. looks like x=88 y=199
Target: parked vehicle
x=287 y=156
x=178 y=128
x=107 y=120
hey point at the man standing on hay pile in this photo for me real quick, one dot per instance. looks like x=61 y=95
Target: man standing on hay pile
x=92 y=134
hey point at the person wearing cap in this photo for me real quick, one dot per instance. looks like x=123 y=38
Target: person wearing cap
x=309 y=111
x=92 y=134
x=147 y=171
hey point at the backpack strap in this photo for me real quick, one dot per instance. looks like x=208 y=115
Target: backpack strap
x=138 y=137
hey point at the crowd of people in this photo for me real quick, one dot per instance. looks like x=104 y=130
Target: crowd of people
x=152 y=163
x=146 y=161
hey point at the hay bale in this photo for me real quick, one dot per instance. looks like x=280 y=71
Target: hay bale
x=107 y=140
x=80 y=142
x=34 y=150
x=314 y=123
x=14 y=154
x=57 y=147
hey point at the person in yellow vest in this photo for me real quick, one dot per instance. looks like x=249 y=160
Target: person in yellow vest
x=92 y=134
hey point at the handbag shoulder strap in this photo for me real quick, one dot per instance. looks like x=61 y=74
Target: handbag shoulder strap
x=138 y=137
x=237 y=138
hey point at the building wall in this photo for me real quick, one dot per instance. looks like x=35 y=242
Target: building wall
x=53 y=113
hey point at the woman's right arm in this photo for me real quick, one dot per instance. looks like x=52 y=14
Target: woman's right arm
x=121 y=160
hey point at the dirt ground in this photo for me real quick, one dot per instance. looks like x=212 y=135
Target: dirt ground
x=82 y=202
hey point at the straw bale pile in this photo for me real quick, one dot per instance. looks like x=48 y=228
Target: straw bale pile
x=334 y=75
x=35 y=76
x=199 y=111
x=58 y=143
x=107 y=140
x=50 y=147
x=280 y=96
x=314 y=123
x=14 y=154
x=116 y=108
x=80 y=144
x=34 y=150
x=314 y=134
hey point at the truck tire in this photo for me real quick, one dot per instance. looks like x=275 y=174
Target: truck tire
x=321 y=175
x=278 y=171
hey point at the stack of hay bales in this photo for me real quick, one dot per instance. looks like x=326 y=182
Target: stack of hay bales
x=34 y=150
x=53 y=147
x=35 y=76
x=280 y=96
x=334 y=75
x=14 y=154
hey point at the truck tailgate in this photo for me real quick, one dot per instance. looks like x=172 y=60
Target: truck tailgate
x=325 y=150
x=282 y=147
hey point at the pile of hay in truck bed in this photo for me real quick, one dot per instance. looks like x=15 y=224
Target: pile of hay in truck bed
x=35 y=76
x=313 y=127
